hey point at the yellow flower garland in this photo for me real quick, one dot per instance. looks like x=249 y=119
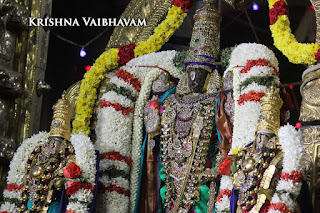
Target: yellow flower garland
x=109 y=60
x=285 y=41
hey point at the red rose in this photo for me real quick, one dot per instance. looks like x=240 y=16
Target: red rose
x=273 y=20
x=283 y=11
x=224 y=168
x=317 y=55
x=273 y=12
x=73 y=187
x=279 y=4
x=72 y=171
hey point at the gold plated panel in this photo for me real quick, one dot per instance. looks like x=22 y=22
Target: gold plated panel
x=153 y=11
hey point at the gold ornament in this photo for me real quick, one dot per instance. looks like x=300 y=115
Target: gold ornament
x=62 y=112
x=269 y=119
x=205 y=41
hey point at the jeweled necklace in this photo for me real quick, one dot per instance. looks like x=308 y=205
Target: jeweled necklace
x=39 y=174
x=250 y=172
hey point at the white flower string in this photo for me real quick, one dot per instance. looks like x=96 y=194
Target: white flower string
x=117 y=133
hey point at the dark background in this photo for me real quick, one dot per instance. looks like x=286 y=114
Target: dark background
x=65 y=66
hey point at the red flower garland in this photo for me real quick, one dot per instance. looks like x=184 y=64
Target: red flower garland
x=258 y=62
x=74 y=186
x=126 y=53
x=279 y=8
x=183 y=4
x=12 y=186
x=280 y=207
x=116 y=156
x=223 y=192
x=116 y=106
x=118 y=189
x=251 y=96
x=129 y=78
x=70 y=211
x=317 y=55
x=294 y=176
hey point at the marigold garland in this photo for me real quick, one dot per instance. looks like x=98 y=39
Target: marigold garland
x=110 y=60
x=284 y=40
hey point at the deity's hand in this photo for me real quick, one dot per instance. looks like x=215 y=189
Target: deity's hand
x=152 y=116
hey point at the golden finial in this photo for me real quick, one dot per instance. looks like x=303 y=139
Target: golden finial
x=269 y=119
x=62 y=112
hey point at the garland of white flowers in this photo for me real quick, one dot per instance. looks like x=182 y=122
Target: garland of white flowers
x=85 y=158
x=293 y=164
x=111 y=138
x=245 y=126
x=17 y=170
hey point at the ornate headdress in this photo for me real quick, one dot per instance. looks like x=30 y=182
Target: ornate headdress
x=205 y=40
x=269 y=119
x=62 y=112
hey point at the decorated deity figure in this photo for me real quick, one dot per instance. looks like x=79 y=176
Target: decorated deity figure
x=187 y=120
x=50 y=168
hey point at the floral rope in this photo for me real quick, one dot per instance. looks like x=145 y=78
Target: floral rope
x=116 y=106
x=116 y=156
x=118 y=189
x=251 y=96
x=110 y=59
x=285 y=41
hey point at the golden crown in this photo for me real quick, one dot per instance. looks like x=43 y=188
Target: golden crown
x=62 y=112
x=269 y=119
x=205 y=41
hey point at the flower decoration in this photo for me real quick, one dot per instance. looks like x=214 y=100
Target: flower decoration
x=279 y=8
x=284 y=40
x=116 y=106
x=225 y=166
x=125 y=53
x=72 y=171
x=114 y=57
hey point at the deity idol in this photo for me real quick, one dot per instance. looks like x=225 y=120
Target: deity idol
x=52 y=172
x=187 y=120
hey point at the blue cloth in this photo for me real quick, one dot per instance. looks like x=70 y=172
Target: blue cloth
x=53 y=207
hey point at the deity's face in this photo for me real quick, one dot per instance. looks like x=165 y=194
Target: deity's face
x=197 y=79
